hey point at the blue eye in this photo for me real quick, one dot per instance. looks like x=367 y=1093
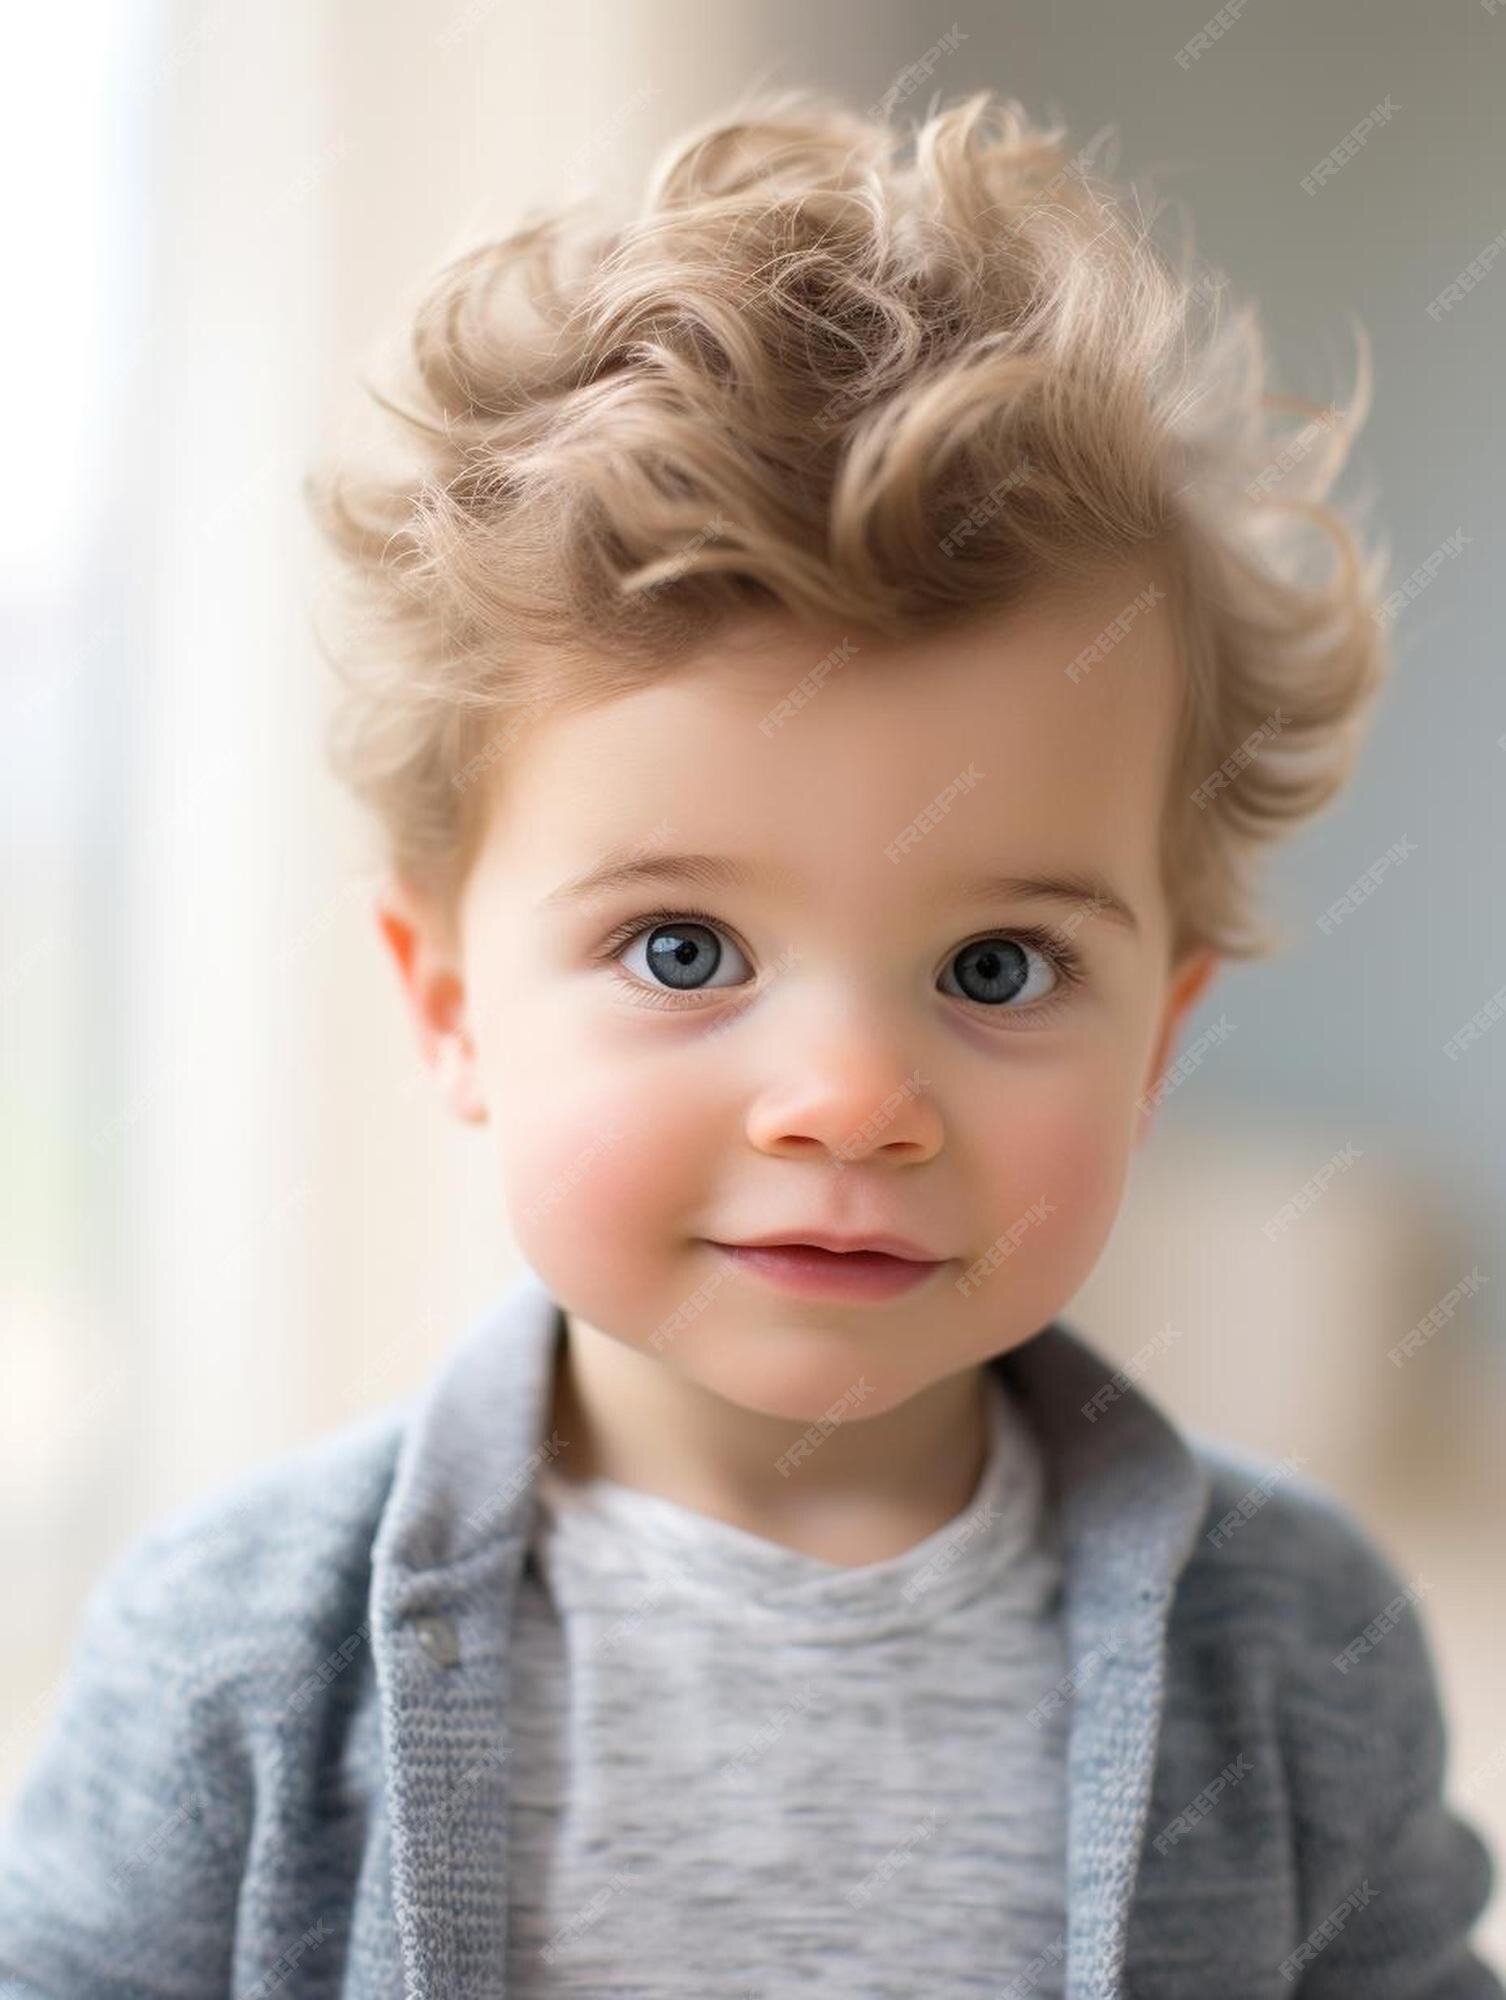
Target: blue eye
x=1026 y=972
x=684 y=955
x=996 y=970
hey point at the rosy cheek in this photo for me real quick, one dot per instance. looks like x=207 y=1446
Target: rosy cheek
x=600 y=1182
x=1058 y=1172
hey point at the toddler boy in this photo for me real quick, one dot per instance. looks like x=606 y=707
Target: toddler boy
x=808 y=636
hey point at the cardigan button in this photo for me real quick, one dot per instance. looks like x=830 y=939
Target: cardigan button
x=439 y=1639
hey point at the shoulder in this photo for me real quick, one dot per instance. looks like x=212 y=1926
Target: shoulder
x=195 y=1668
x=1307 y=1641
x=239 y=1588
x=1280 y=1536
x=1286 y=1583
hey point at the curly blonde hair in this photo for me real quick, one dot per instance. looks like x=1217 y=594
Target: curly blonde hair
x=877 y=380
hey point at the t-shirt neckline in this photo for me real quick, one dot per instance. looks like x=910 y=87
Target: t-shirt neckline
x=613 y=1547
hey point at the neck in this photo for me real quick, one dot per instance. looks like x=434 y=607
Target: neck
x=875 y=1487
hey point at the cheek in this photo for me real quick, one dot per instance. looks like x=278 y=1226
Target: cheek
x=601 y=1175
x=1053 y=1159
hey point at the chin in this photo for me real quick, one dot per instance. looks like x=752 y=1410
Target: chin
x=800 y=1375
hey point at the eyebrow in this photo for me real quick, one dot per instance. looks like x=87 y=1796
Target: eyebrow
x=722 y=871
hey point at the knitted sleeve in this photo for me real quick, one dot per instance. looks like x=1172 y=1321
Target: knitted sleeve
x=1391 y=1878
x=121 y=1855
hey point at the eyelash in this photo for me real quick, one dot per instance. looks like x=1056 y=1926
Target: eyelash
x=1064 y=958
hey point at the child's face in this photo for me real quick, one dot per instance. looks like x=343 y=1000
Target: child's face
x=844 y=1065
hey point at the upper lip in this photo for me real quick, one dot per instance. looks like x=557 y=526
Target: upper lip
x=820 y=1239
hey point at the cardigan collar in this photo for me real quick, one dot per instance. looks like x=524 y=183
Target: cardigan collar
x=1129 y=1492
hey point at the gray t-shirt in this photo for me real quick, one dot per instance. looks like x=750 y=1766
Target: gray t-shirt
x=737 y=1768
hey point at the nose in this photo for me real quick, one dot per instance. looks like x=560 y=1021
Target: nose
x=851 y=1094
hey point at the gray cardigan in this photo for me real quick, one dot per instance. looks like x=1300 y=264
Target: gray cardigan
x=280 y=1758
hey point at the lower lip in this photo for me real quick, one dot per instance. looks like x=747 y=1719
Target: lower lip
x=830 y=1274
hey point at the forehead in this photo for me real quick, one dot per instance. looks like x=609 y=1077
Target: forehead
x=1038 y=736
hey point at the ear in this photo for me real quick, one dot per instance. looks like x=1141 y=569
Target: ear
x=1186 y=987
x=425 y=949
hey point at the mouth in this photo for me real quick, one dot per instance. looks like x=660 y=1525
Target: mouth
x=810 y=1271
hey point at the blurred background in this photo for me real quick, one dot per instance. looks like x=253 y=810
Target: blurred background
x=234 y=1212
